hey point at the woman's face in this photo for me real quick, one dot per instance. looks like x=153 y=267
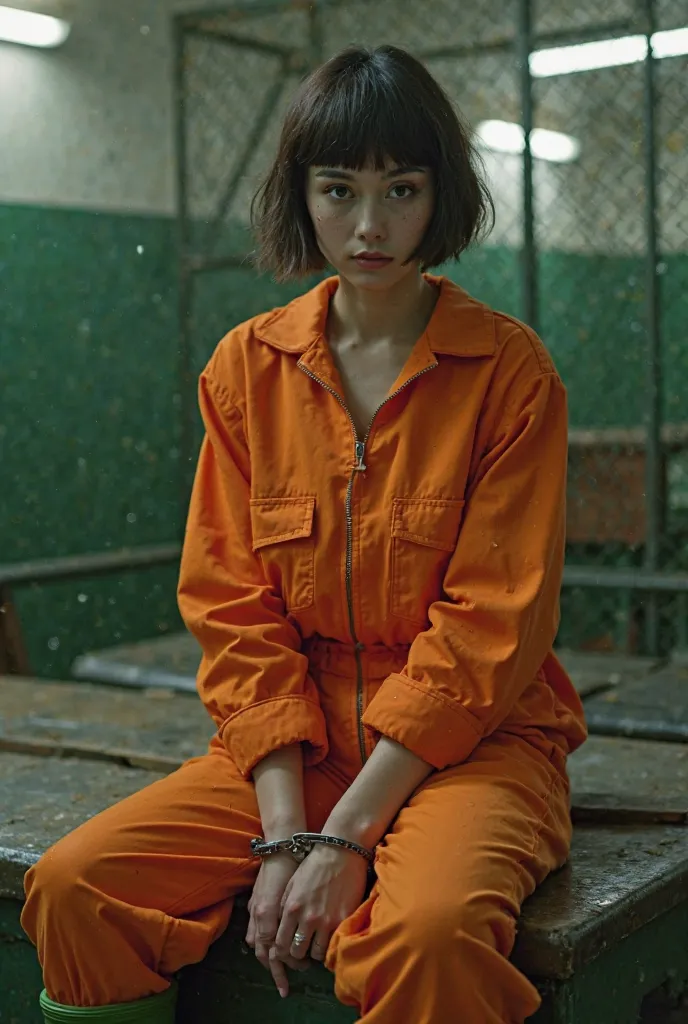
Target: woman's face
x=367 y=223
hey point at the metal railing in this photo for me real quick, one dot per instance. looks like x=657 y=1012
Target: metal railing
x=14 y=658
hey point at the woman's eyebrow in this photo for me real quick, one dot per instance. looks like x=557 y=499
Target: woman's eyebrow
x=396 y=171
x=333 y=172
x=337 y=172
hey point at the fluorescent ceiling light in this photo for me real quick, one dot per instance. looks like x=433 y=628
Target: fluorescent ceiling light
x=671 y=43
x=32 y=29
x=606 y=53
x=508 y=137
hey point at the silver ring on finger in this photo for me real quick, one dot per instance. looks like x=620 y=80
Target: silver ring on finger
x=300 y=938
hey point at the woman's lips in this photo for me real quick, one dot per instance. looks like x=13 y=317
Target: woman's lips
x=374 y=261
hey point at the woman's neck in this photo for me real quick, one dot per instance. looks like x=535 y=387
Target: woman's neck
x=398 y=314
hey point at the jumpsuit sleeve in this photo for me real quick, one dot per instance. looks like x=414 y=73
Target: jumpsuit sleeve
x=498 y=616
x=253 y=678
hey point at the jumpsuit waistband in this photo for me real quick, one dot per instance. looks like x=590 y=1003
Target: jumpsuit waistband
x=339 y=659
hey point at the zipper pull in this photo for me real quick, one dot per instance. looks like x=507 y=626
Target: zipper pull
x=360 y=452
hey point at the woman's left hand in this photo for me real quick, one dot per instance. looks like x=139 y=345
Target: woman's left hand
x=325 y=889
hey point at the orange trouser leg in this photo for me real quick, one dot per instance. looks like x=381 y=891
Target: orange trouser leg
x=430 y=945
x=120 y=904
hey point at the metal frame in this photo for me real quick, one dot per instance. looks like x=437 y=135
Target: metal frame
x=654 y=481
x=523 y=44
x=14 y=658
x=528 y=253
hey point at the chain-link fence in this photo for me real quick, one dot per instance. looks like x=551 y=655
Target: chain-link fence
x=581 y=112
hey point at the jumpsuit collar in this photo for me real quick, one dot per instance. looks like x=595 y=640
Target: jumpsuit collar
x=459 y=326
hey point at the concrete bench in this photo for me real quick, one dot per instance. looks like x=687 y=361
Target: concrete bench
x=650 y=707
x=598 y=938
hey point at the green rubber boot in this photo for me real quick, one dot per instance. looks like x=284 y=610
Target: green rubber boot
x=157 y=1009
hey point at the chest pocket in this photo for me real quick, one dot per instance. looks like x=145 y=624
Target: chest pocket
x=424 y=536
x=282 y=531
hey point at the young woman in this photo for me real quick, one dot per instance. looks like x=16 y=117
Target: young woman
x=372 y=567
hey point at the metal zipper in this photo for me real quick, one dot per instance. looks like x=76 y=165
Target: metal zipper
x=359 y=467
x=389 y=398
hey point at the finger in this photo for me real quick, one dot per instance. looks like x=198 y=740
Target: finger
x=298 y=965
x=321 y=941
x=262 y=954
x=285 y=895
x=289 y=961
x=266 y=921
x=251 y=930
x=279 y=973
x=301 y=941
x=285 y=932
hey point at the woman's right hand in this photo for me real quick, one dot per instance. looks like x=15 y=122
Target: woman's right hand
x=265 y=911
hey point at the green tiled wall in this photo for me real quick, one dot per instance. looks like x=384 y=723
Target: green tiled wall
x=89 y=403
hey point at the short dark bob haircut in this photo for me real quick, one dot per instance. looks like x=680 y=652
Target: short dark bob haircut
x=357 y=109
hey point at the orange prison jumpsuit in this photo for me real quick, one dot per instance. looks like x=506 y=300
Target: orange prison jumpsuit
x=343 y=588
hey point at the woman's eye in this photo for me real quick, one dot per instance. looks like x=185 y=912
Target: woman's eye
x=338 y=191
x=401 y=191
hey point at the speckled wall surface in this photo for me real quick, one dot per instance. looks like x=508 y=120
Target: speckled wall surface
x=89 y=406
x=592 y=311
x=88 y=433
x=89 y=424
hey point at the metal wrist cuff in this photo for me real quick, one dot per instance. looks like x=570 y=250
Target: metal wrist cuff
x=301 y=844
x=307 y=840
x=261 y=848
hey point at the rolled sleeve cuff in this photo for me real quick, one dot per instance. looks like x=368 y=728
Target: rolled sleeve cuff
x=257 y=730
x=437 y=730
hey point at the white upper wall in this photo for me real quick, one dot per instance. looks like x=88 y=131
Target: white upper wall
x=90 y=124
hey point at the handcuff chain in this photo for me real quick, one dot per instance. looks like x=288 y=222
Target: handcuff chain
x=301 y=844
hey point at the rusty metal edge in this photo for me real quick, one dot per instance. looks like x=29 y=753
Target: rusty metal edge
x=46 y=570
x=96 y=669
x=14 y=863
x=610 y=724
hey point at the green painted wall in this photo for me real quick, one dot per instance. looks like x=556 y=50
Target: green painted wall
x=89 y=401
x=89 y=412
x=592 y=312
x=88 y=435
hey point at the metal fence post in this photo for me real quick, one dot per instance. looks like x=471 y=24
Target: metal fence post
x=184 y=283
x=654 y=484
x=528 y=252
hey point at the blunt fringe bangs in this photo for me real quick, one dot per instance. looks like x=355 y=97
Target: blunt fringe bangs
x=359 y=108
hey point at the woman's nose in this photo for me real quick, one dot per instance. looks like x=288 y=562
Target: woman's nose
x=370 y=225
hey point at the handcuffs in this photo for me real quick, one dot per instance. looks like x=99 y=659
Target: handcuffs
x=301 y=844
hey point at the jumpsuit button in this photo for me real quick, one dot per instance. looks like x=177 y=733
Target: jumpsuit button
x=359 y=647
